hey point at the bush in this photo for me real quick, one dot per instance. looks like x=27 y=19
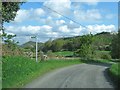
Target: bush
x=50 y=54
x=102 y=55
x=105 y=56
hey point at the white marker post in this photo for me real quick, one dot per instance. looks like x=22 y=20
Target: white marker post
x=36 y=48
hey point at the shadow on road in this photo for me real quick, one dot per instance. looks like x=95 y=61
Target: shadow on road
x=107 y=77
x=106 y=73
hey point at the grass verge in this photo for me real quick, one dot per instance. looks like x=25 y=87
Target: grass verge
x=114 y=73
x=17 y=70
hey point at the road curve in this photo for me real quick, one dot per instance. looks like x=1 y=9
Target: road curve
x=76 y=76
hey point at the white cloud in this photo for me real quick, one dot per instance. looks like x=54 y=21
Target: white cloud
x=78 y=30
x=58 y=5
x=24 y=32
x=90 y=14
x=45 y=32
x=49 y=21
x=71 y=22
x=60 y=22
x=61 y=6
x=64 y=29
x=29 y=30
x=100 y=28
x=52 y=34
x=31 y=14
x=22 y=15
x=53 y=22
x=72 y=25
x=94 y=14
x=39 y=12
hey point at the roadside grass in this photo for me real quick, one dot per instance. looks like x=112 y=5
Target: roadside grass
x=64 y=53
x=0 y=73
x=18 y=70
x=115 y=71
x=104 y=60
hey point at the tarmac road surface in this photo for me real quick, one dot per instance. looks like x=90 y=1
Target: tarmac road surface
x=75 y=76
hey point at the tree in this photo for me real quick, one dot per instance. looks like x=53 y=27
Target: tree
x=9 y=10
x=115 y=51
x=11 y=44
x=68 y=45
x=57 y=45
x=86 y=49
x=8 y=13
x=47 y=45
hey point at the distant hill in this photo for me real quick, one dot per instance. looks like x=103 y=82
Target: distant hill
x=28 y=44
x=31 y=45
x=101 y=41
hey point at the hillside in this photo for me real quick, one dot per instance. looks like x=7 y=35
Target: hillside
x=31 y=45
x=28 y=44
x=102 y=41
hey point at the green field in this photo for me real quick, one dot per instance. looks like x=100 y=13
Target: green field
x=64 y=53
x=98 y=54
x=18 y=70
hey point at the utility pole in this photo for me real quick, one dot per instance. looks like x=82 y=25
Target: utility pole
x=36 y=47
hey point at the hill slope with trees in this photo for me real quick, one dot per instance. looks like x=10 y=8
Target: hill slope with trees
x=101 y=41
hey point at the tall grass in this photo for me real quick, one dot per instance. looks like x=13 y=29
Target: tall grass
x=18 y=70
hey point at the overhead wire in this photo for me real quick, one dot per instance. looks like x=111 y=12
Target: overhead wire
x=65 y=17
x=62 y=16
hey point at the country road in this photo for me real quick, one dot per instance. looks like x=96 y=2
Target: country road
x=76 y=76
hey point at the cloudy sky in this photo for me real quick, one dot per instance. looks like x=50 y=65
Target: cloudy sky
x=63 y=18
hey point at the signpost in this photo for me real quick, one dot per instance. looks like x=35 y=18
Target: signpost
x=36 y=47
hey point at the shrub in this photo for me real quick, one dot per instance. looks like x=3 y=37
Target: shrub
x=102 y=55
x=105 y=56
x=50 y=54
